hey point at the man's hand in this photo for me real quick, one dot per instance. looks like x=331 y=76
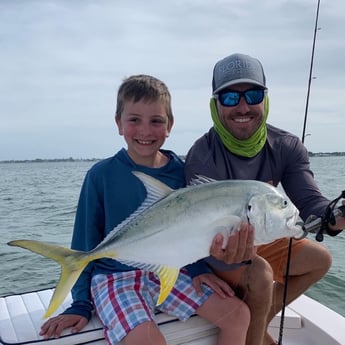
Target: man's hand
x=240 y=246
x=55 y=325
x=340 y=222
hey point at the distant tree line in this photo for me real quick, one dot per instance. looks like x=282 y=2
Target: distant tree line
x=40 y=160
x=70 y=159
x=325 y=154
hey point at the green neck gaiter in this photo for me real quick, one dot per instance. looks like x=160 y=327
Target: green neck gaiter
x=245 y=148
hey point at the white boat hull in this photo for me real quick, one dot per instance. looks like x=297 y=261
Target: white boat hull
x=306 y=322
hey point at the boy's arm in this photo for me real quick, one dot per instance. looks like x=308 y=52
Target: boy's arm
x=87 y=234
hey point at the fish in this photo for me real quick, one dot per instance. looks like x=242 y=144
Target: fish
x=173 y=228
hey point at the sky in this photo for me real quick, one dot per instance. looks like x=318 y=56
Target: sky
x=62 y=61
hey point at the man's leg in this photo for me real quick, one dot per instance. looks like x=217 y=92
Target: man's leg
x=310 y=261
x=253 y=284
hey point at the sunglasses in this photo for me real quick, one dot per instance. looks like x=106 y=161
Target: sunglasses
x=232 y=98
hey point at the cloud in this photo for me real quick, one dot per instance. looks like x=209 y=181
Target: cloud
x=61 y=63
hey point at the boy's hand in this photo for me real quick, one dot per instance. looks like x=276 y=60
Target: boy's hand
x=214 y=282
x=55 y=325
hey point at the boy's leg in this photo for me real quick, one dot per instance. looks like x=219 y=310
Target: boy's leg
x=125 y=303
x=125 y=306
x=146 y=333
x=253 y=284
x=230 y=315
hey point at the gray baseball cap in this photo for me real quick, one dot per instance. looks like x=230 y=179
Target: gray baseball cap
x=235 y=69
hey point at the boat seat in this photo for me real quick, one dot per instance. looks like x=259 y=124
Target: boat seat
x=21 y=319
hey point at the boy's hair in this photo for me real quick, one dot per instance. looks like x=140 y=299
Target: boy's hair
x=146 y=88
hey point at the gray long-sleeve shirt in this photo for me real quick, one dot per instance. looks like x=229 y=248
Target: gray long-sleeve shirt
x=283 y=159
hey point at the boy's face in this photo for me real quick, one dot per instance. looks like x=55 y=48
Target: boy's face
x=145 y=127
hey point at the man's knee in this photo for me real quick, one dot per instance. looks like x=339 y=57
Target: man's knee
x=260 y=274
x=326 y=258
x=322 y=261
x=256 y=285
x=312 y=257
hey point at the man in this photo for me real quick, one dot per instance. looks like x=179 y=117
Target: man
x=241 y=145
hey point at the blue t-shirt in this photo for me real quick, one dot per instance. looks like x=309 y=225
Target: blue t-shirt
x=110 y=193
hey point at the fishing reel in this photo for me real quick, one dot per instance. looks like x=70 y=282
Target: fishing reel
x=319 y=225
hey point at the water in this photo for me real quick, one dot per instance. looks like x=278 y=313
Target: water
x=38 y=201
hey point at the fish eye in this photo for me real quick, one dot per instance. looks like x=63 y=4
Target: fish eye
x=249 y=207
x=285 y=203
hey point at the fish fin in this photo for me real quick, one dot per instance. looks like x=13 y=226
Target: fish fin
x=156 y=189
x=72 y=264
x=200 y=179
x=65 y=284
x=167 y=276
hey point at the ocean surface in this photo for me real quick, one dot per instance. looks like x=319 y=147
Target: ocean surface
x=38 y=201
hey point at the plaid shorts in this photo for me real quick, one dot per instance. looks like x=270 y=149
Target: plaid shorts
x=124 y=300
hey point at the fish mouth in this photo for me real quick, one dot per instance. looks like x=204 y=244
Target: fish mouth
x=291 y=222
x=295 y=226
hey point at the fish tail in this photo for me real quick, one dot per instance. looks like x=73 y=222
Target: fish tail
x=167 y=276
x=72 y=264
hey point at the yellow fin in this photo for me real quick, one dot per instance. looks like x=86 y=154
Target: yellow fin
x=72 y=264
x=70 y=272
x=167 y=276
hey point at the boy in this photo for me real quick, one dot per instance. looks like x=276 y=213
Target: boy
x=125 y=297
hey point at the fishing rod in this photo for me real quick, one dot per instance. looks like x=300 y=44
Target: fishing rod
x=319 y=225
x=313 y=224
x=310 y=72
x=284 y=302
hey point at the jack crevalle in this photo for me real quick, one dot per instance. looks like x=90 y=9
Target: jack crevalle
x=173 y=228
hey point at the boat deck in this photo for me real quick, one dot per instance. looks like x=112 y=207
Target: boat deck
x=21 y=319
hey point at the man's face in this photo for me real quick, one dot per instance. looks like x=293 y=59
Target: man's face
x=241 y=120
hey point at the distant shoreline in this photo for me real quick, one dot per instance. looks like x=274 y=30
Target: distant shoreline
x=70 y=159
x=326 y=154
x=52 y=160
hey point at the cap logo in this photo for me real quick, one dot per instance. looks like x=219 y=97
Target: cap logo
x=237 y=67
